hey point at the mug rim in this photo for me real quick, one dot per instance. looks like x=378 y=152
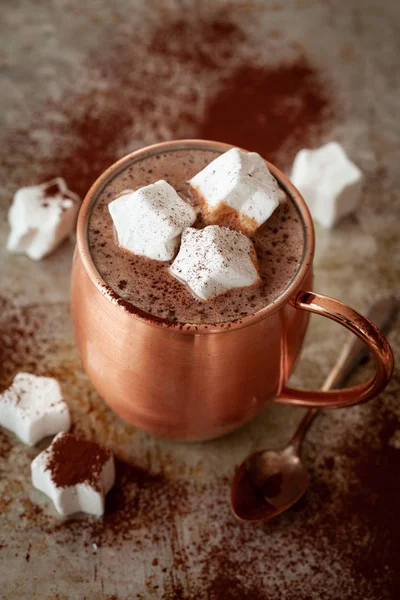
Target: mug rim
x=194 y=328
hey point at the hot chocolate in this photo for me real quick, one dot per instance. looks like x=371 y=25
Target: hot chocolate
x=148 y=284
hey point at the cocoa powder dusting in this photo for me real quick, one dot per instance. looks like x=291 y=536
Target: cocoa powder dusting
x=350 y=529
x=268 y=110
x=99 y=134
x=149 y=286
x=74 y=460
x=24 y=339
x=203 y=44
x=5 y=446
x=189 y=80
x=376 y=498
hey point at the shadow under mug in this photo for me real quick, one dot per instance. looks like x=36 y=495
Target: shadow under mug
x=197 y=382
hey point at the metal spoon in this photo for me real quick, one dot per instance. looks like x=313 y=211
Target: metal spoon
x=270 y=481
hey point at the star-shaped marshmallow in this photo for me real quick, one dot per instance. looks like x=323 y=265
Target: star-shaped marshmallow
x=41 y=217
x=75 y=473
x=238 y=187
x=33 y=408
x=150 y=221
x=215 y=259
x=330 y=183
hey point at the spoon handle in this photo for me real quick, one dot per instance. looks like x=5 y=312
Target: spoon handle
x=382 y=313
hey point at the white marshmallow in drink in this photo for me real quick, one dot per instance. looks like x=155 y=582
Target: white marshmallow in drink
x=74 y=482
x=150 y=221
x=239 y=181
x=215 y=259
x=329 y=181
x=41 y=217
x=33 y=408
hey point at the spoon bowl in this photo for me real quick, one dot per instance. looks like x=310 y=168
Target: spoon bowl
x=268 y=483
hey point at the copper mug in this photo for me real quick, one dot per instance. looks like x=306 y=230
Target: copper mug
x=200 y=381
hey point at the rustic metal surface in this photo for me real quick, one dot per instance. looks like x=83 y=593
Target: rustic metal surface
x=168 y=532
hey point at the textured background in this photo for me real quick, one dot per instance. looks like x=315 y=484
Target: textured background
x=82 y=83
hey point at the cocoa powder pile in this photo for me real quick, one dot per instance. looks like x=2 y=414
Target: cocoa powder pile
x=74 y=460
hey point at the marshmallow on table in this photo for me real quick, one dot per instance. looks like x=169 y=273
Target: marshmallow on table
x=41 y=217
x=33 y=408
x=215 y=259
x=330 y=183
x=75 y=473
x=149 y=221
x=239 y=181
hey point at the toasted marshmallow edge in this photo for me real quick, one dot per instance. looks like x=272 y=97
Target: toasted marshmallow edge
x=41 y=413
x=242 y=182
x=78 y=498
x=207 y=266
x=149 y=221
x=36 y=230
x=329 y=181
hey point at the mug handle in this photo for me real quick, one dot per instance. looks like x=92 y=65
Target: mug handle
x=367 y=332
